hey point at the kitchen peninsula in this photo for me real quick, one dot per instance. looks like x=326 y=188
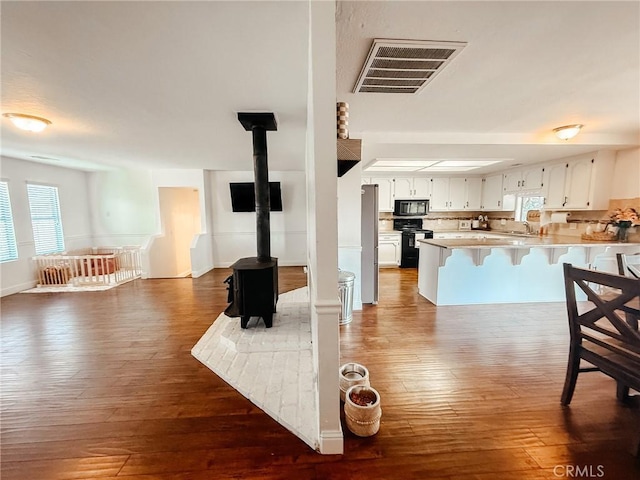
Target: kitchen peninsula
x=504 y=268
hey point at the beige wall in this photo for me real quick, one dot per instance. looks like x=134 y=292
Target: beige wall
x=626 y=174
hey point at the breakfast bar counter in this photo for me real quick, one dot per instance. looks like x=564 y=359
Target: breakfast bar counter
x=501 y=268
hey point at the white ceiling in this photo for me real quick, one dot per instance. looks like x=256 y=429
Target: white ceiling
x=528 y=67
x=155 y=84
x=158 y=84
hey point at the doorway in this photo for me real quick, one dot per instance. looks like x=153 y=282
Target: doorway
x=180 y=222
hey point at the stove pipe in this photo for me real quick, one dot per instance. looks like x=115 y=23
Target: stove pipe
x=263 y=203
x=259 y=123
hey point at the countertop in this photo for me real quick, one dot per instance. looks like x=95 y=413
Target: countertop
x=495 y=239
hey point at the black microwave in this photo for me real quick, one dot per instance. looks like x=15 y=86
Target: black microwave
x=414 y=208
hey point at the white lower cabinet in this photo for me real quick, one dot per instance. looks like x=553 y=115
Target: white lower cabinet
x=389 y=249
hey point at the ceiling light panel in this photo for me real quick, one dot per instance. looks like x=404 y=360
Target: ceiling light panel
x=404 y=66
x=376 y=168
x=467 y=163
x=439 y=168
x=404 y=163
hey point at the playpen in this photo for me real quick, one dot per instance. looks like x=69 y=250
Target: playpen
x=89 y=267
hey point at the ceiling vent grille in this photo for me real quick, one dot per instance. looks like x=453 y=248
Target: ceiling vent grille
x=404 y=66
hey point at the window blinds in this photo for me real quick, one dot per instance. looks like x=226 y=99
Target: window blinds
x=45 y=219
x=8 y=248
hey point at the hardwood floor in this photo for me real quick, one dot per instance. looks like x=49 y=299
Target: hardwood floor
x=101 y=385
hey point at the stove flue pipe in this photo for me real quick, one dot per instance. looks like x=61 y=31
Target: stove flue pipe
x=259 y=124
x=263 y=204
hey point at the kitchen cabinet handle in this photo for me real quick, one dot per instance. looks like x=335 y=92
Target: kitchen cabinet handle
x=523 y=183
x=499 y=202
x=565 y=201
x=518 y=183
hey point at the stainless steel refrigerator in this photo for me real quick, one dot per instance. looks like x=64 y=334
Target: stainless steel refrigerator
x=369 y=239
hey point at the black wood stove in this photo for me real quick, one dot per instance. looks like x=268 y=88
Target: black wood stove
x=253 y=286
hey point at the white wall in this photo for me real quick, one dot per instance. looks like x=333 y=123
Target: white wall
x=74 y=209
x=126 y=211
x=349 y=231
x=234 y=233
x=202 y=245
x=626 y=174
x=123 y=211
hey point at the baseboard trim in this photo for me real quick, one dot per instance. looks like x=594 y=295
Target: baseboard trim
x=201 y=272
x=17 y=288
x=331 y=442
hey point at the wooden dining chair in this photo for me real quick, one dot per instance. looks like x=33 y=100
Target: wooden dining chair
x=629 y=265
x=605 y=334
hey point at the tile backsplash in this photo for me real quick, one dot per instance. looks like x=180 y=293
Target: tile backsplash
x=448 y=221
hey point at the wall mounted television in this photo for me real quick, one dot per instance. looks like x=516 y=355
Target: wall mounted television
x=243 y=196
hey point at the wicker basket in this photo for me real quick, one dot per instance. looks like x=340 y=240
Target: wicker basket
x=362 y=420
x=598 y=236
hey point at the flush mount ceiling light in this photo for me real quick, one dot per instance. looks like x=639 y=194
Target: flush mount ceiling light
x=568 y=131
x=29 y=123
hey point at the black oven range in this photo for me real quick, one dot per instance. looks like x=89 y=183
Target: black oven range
x=412 y=231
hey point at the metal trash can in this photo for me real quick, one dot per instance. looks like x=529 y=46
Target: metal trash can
x=345 y=289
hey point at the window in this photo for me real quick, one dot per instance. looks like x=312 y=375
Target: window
x=526 y=203
x=8 y=248
x=45 y=219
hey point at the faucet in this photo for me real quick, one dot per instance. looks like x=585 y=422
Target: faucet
x=527 y=228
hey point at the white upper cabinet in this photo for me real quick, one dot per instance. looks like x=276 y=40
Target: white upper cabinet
x=412 y=187
x=578 y=183
x=455 y=193
x=399 y=188
x=439 y=194
x=554 y=185
x=385 y=192
x=581 y=183
x=403 y=187
x=474 y=193
x=422 y=187
x=511 y=181
x=492 y=193
x=523 y=180
x=532 y=178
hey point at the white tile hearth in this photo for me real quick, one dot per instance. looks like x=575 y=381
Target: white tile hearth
x=272 y=367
